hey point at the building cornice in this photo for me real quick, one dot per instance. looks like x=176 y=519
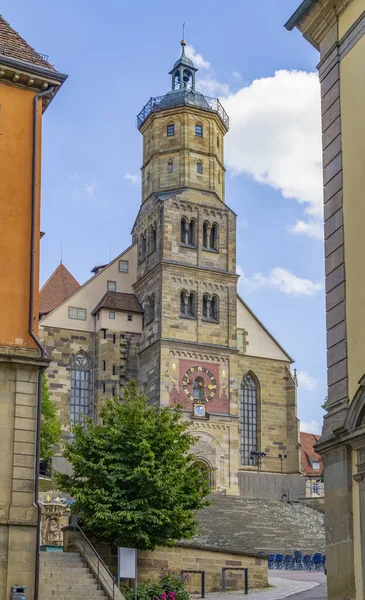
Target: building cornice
x=25 y=75
x=318 y=18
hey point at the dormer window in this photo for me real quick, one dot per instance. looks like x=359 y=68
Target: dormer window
x=170 y=130
x=199 y=130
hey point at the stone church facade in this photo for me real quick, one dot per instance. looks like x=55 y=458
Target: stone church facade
x=166 y=311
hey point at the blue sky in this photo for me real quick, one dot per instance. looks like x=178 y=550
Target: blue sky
x=117 y=55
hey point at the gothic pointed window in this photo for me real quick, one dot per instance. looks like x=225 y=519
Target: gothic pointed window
x=248 y=419
x=80 y=388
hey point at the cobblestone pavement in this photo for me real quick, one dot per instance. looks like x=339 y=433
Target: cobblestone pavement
x=284 y=586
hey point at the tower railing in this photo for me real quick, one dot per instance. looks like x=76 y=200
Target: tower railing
x=182 y=98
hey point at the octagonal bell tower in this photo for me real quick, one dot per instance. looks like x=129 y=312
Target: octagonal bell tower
x=183 y=135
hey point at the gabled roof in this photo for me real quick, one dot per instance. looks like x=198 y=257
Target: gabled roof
x=119 y=301
x=290 y=359
x=309 y=455
x=14 y=46
x=57 y=288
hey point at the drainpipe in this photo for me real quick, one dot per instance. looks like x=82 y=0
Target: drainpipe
x=31 y=330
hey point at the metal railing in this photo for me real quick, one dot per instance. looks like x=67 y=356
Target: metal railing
x=184 y=97
x=104 y=578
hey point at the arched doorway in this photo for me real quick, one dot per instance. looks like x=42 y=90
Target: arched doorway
x=208 y=471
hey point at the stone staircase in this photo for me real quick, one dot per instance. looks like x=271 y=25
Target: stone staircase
x=63 y=576
x=255 y=525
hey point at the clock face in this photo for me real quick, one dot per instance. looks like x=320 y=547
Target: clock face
x=199 y=384
x=199 y=410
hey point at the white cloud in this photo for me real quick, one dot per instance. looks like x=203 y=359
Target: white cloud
x=197 y=59
x=276 y=139
x=236 y=75
x=311 y=427
x=73 y=176
x=90 y=189
x=311 y=228
x=305 y=381
x=133 y=178
x=210 y=86
x=282 y=280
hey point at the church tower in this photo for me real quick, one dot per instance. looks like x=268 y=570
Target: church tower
x=186 y=275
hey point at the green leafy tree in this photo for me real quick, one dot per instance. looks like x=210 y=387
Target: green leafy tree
x=135 y=481
x=50 y=424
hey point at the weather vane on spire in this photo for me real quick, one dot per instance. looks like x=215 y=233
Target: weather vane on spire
x=183 y=42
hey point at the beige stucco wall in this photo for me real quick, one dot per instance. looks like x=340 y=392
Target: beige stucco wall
x=91 y=293
x=120 y=323
x=349 y=16
x=353 y=144
x=260 y=343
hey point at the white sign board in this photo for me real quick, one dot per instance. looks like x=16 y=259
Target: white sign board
x=127 y=559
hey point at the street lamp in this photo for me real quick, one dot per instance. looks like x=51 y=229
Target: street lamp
x=282 y=457
x=259 y=456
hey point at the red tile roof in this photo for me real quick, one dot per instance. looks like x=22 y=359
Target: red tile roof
x=119 y=301
x=13 y=45
x=56 y=289
x=308 y=454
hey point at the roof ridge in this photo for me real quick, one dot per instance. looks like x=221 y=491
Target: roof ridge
x=23 y=42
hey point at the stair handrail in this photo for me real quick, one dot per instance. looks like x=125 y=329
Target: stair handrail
x=100 y=562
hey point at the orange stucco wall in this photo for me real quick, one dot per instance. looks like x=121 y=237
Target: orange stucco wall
x=16 y=154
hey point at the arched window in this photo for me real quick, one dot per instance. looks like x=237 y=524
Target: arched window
x=248 y=420
x=218 y=144
x=80 y=388
x=153 y=237
x=183 y=230
x=191 y=304
x=187 y=304
x=206 y=306
x=170 y=166
x=191 y=232
x=205 y=234
x=213 y=312
x=198 y=388
x=151 y=310
x=143 y=240
x=214 y=237
x=219 y=176
x=148 y=177
x=199 y=167
x=183 y=303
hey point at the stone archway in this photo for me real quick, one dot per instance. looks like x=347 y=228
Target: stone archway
x=208 y=471
x=209 y=451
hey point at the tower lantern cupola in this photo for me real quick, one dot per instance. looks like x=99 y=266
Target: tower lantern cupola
x=183 y=72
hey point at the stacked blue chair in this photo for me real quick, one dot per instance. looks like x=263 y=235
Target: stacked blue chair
x=279 y=561
x=298 y=561
x=318 y=561
x=288 y=562
x=271 y=561
x=307 y=562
